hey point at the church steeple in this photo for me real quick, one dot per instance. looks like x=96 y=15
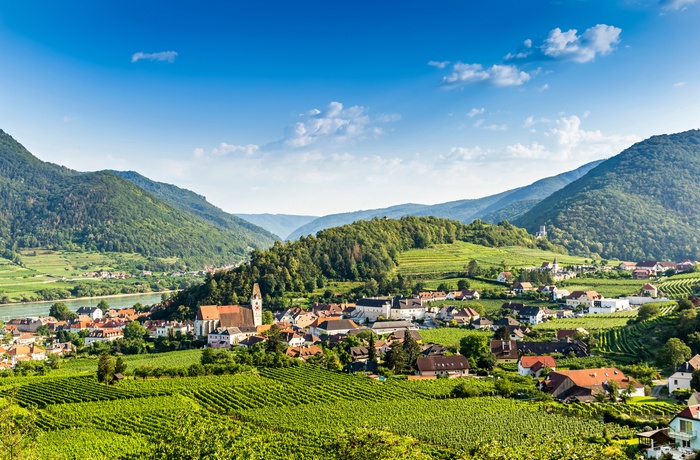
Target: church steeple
x=256 y=305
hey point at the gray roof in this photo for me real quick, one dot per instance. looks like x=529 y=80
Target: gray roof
x=442 y=363
x=392 y=325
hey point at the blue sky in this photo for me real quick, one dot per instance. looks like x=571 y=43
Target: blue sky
x=316 y=107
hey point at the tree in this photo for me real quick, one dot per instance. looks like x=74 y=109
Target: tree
x=473 y=268
x=504 y=387
x=43 y=330
x=274 y=342
x=673 y=353
x=105 y=369
x=103 y=305
x=396 y=359
x=685 y=304
x=119 y=366
x=502 y=333
x=695 y=381
x=367 y=443
x=134 y=330
x=53 y=361
x=613 y=389
x=444 y=287
x=207 y=356
x=372 y=349
x=487 y=362
x=648 y=311
x=18 y=430
x=412 y=350
x=61 y=312
x=267 y=317
x=474 y=346
x=462 y=284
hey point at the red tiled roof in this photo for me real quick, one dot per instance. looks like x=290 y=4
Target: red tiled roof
x=529 y=361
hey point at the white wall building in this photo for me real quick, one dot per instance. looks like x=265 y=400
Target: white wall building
x=604 y=306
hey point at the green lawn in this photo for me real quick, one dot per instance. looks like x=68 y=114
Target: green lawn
x=605 y=287
x=589 y=322
x=449 y=336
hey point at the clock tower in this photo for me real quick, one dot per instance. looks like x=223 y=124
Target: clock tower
x=256 y=305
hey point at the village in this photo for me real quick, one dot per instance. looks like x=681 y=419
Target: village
x=369 y=335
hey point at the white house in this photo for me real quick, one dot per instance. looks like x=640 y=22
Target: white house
x=225 y=337
x=680 y=379
x=103 y=335
x=585 y=298
x=503 y=277
x=534 y=365
x=372 y=308
x=92 y=312
x=604 y=306
x=685 y=426
x=650 y=290
x=533 y=315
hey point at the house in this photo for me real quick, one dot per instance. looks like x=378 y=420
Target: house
x=684 y=427
x=652 y=442
x=650 y=290
x=372 y=308
x=680 y=379
x=103 y=335
x=211 y=317
x=446 y=313
x=225 y=337
x=506 y=351
x=560 y=294
x=482 y=323
x=532 y=315
x=514 y=307
x=293 y=339
x=628 y=266
x=578 y=348
x=304 y=353
x=408 y=308
x=61 y=349
x=298 y=317
x=641 y=274
x=388 y=327
x=30 y=352
x=503 y=277
x=585 y=298
x=451 y=366
x=464 y=294
x=534 y=365
x=604 y=306
x=651 y=265
x=399 y=336
x=582 y=385
x=506 y=321
x=433 y=296
x=565 y=313
x=466 y=316
x=334 y=327
x=251 y=341
x=433 y=349
x=522 y=286
x=517 y=334
x=563 y=334
x=685 y=266
x=92 y=312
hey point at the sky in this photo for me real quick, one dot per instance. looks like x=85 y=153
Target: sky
x=315 y=107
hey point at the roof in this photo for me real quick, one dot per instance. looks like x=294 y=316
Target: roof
x=504 y=349
x=482 y=322
x=542 y=348
x=690 y=366
x=690 y=412
x=337 y=325
x=590 y=377
x=507 y=321
x=506 y=274
x=578 y=294
x=207 y=312
x=467 y=312
x=442 y=363
x=529 y=361
x=399 y=335
x=530 y=311
x=649 y=287
x=229 y=315
x=391 y=325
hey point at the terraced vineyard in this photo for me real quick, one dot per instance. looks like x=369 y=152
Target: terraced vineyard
x=266 y=410
x=679 y=286
x=641 y=410
x=632 y=344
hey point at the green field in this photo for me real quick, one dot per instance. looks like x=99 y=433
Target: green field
x=449 y=336
x=44 y=269
x=610 y=288
x=295 y=413
x=451 y=258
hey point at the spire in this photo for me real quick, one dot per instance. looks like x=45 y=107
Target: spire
x=256 y=291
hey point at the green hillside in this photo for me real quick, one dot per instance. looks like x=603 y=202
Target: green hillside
x=506 y=205
x=365 y=251
x=44 y=205
x=641 y=204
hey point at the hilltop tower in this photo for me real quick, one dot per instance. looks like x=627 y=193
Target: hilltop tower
x=256 y=305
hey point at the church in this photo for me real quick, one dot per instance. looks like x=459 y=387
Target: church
x=212 y=317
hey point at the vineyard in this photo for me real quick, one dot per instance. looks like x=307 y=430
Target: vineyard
x=635 y=343
x=293 y=413
x=680 y=286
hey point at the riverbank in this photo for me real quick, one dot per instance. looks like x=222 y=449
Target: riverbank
x=70 y=299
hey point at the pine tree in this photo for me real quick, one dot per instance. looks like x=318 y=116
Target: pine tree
x=412 y=350
x=372 y=350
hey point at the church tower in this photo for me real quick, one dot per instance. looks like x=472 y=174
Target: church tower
x=256 y=305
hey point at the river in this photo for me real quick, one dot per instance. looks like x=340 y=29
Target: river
x=42 y=308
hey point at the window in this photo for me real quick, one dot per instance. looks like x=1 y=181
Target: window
x=686 y=426
x=675 y=382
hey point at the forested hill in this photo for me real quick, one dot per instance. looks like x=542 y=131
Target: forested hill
x=364 y=251
x=45 y=205
x=641 y=204
x=506 y=205
x=193 y=203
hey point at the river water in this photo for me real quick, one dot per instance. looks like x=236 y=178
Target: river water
x=42 y=308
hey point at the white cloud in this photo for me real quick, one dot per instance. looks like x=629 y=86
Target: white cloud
x=680 y=84
x=544 y=87
x=675 y=5
x=439 y=64
x=493 y=127
x=198 y=152
x=228 y=149
x=496 y=75
x=474 y=112
x=566 y=141
x=598 y=40
x=163 y=56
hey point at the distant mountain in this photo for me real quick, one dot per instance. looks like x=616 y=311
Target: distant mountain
x=641 y=204
x=494 y=208
x=279 y=224
x=42 y=204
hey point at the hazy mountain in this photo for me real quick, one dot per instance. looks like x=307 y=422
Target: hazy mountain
x=42 y=204
x=494 y=208
x=279 y=224
x=641 y=204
